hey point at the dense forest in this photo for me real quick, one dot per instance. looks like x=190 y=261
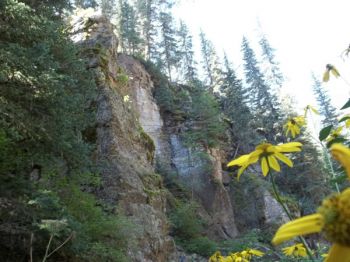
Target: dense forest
x=83 y=169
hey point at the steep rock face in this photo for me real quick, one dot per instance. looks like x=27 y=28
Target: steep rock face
x=141 y=88
x=132 y=137
x=201 y=171
x=273 y=212
x=254 y=205
x=124 y=151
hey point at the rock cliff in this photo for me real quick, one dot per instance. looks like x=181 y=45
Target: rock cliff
x=133 y=138
x=125 y=153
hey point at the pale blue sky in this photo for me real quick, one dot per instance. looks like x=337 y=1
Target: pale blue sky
x=307 y=35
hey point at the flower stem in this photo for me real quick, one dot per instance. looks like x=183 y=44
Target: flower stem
x=333 y=174
x=326 y=155
x=286 y=209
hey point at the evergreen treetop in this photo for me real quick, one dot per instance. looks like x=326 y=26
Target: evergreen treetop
x=188 y=64
x=263 y=103
x=130 y=39
x=234 y=104
x=169 y=54
x=272 y=71
x=210 y=63
x=326 y=109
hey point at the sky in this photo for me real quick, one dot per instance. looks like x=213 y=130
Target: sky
x=307 y=35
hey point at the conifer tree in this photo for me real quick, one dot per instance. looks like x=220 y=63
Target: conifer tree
x=85 y=3
x=188 y=69
x=45 y=91
x=169 y=53
x=108 y=7
x=264 y=104
x=210 y=63
x=148 y=13
x=130 y=39
x=326 y=109
x=233 y=102
x=272 y=72
x=49 y=8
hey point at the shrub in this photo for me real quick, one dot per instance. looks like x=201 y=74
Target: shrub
x=200 y=245
x=185 y=221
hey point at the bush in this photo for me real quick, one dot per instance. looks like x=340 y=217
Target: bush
x=189 y=103
x=206 y=127
x=187 y=229
x=200 y=245
x=248 y=240
x=97 y=233
x=185 y=221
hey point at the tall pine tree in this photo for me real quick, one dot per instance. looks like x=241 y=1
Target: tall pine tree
x=108 y=7
x=169 y=53
x=272 y=72
x=325 y=107
x=45 y=90
x=148 y=14
x=233 y=102
x=85 y=3
x=188 y=64
x=262 y=101
x=210 y=63
x=130 y=39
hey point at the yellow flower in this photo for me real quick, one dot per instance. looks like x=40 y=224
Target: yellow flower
x=330 y=68
x=243 y=161
x=332 y=217
x=346 y=118
x=216 y=257
x=311 y=109
x=347 y=123
x=268 y=155
x=254 y=252
x=294 y=124
x=342 y=155
x=238 y=257
x=126 y=98
x=248 y=253
x=244 y=256
x=334 y=134
x=297 y=250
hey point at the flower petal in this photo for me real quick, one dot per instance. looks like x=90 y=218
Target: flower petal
x=314 y=110
x=289 y=147
x=240 y=171
x=335 y=72
x=326 y=76
x=255 y=252
x=253 y=159
x=301 y=226
x=273 y=163
x=284 y=159
x=238 y=161
x=287 y=132
x=264 y=166
x=256 y=152
x=338 y=253
x=292 y=131
x=342 y=154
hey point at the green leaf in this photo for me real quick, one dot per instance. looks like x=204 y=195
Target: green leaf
x=336 y=140
x=339 y=179
x=344 y=119
x=346 y=105
x=325 y=132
